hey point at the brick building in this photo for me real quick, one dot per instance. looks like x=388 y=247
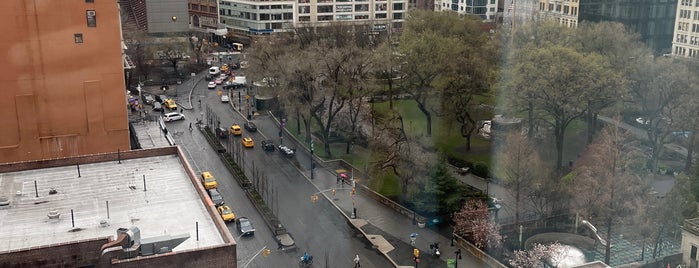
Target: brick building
x=62 y=80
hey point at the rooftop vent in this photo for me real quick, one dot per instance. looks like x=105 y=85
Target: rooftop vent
x=53 y=214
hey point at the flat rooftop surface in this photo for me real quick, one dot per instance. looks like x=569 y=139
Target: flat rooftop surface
x=170 y=206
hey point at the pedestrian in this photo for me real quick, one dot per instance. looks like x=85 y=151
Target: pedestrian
x=279 y=245
x=338 y=179
x=181 y=110
x=190 y=126
x=356 y=262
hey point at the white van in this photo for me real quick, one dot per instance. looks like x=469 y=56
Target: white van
x=214 y=70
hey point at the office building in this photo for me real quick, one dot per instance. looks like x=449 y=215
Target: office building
x=685 y=42
x=652 y=19
x=251 y=18
x=486 y=9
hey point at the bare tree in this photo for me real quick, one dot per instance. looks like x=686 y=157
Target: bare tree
x=522 y=172
x=604 y=189
x=172 y=54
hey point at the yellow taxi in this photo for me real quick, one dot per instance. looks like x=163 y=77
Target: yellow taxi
x=248 y=143
x=208 y=180
x=236 y=130
x=170 y=104
x=226 y=213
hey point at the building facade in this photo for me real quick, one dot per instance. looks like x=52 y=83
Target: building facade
x=685 y=42
x=266 y=17
x=690 y=243
x=565 y=12
x=62 y=80
x=203 y=14
x=167 y=16
x=486 y=9
x=652 y=19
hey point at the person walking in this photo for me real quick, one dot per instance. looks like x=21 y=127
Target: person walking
x=190 y=126
x=356 y=261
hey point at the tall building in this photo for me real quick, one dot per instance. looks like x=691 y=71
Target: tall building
x=685 y=42
x=652 y=19
x=62 y=80
x=486 y=9
x=258 y=17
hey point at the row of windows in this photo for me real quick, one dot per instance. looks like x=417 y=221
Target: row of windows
x=686 y=52
x=564 y=9
x=396 y=16
x=687 y=3
x=683 y=38
x=203 y=8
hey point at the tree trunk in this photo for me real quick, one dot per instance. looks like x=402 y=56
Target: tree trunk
x=530 y=115
x=560 y=133
x=690 y=152
x=468 y=142
x=298 y=122
x=428 y=117
x=390 y=90
x=590 y=125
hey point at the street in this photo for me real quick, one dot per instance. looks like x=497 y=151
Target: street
x=317 y=228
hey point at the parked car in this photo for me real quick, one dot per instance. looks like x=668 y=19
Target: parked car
x=173 y=117
x=244 y=226
x=226 y=213
x=248 y=142
x=208 y=180
x=211 y=85
x=250 y=126
x=267 y=145
x=225 y=98
x=215 y=196
x=236 y=130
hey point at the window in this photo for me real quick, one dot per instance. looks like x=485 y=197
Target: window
x=693 y=253
x=91 y=18
x=78 y=38
x=212 y=9
x=304 y=18
x=89 y=1
x=325 y=9
x=398 y=6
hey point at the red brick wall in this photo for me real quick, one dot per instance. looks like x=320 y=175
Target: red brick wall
x=221 y=256
x=73 y=254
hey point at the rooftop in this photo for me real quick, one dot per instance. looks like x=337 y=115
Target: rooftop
x=105 y=191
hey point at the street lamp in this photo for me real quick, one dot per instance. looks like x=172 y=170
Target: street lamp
x=313 y=165
x=457 y=258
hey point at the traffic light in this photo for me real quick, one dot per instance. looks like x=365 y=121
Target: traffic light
x=416 y=252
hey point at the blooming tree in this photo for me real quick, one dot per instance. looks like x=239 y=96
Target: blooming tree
x=473 y=221
x=535 y=257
